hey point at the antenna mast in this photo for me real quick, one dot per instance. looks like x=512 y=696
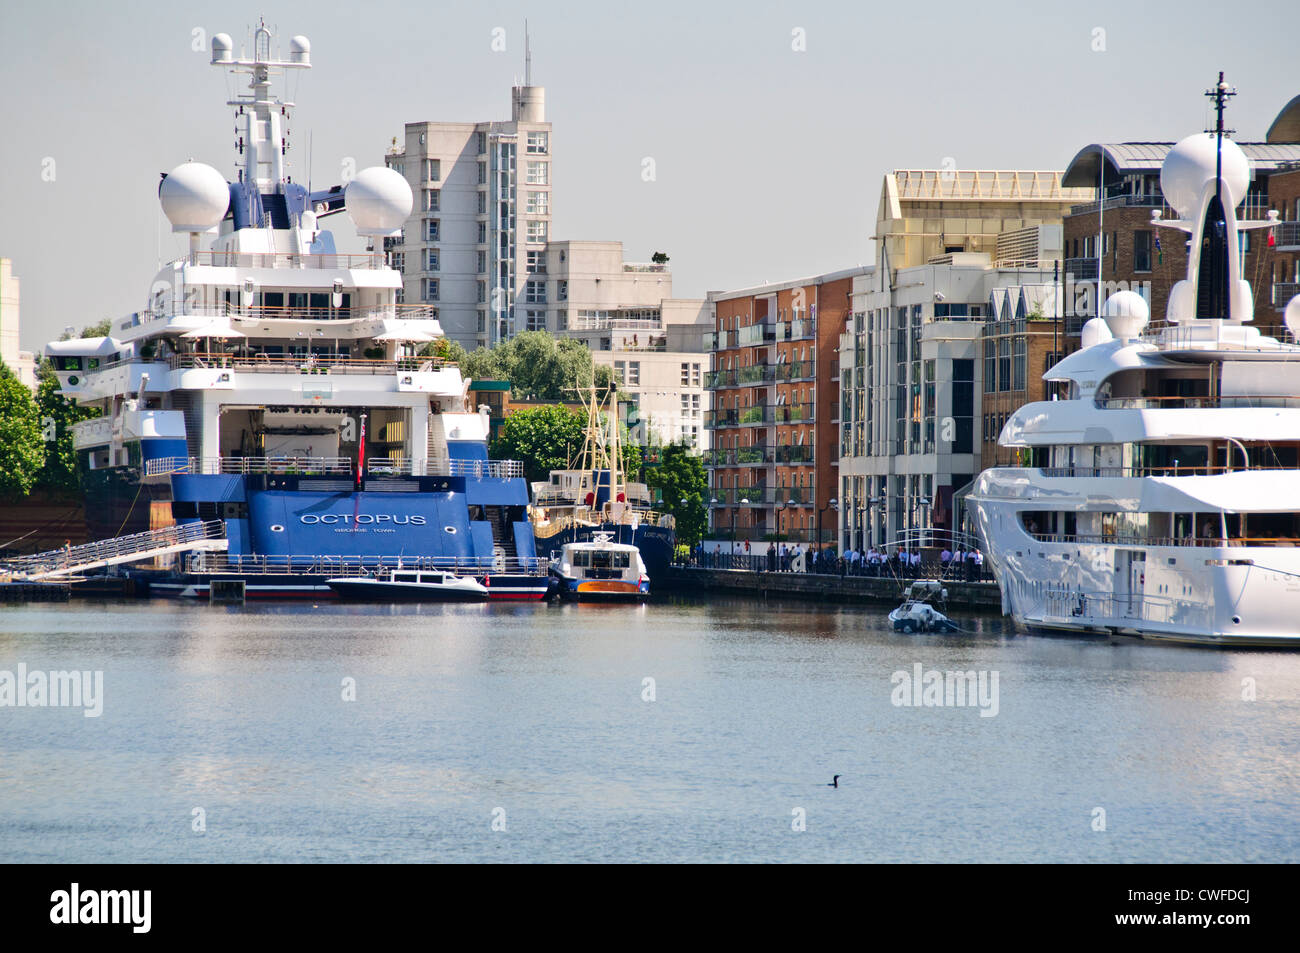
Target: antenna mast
x=528 y=59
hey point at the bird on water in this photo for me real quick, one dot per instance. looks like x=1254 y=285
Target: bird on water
x=833 y=782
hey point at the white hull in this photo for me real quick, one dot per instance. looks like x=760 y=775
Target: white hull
x=1198 y=594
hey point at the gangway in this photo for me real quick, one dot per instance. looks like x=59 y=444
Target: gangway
x=209 y=536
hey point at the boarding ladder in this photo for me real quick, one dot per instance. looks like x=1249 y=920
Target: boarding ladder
x=208 y=536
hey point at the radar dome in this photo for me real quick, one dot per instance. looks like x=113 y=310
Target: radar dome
x=300 y=50
x=379 y=201
x=1292 y=317
x=1094 y=332
x=194 y=197
x=1126 y=314
x=1191 y=163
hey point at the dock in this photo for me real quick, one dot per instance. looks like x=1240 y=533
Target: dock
x=877 y=590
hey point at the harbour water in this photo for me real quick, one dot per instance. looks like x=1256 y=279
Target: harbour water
x=539 y=719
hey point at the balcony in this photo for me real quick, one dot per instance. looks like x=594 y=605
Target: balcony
x=755 y=334
x=794 y=454
x=764 y=495
x=758 y=415
x=1284 y=291
x=1083 y=269
x=797 y=330
x=752 y=374
x=1287 y=236
x=231 y=259
x=796 y=371
x=755 y=455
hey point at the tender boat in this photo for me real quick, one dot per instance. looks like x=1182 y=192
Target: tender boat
x=406 y=585
x=600 y=571
x=918 y=613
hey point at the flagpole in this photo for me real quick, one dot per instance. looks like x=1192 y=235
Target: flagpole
x=361 y=452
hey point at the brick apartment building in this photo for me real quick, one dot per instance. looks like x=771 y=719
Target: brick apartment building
x=773 y=376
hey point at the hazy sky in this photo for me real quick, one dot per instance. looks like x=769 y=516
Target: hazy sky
x=768 y=159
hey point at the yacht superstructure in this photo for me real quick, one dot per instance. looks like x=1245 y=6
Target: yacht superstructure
x=274 y=383
x=1160 y=497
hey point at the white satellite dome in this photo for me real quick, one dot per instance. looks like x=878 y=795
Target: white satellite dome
x=222 y=48
x=1094 y=331
x=1126 y=314
x=300 y=50
x=1191 y=163
x=1292 y=316
x=379 y=201
x=194 y=197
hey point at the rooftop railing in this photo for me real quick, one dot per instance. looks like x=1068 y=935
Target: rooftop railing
x=302 y=364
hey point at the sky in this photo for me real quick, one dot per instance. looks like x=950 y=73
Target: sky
x=770 y=125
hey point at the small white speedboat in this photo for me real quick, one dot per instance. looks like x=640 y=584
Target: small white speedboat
x=919 y=611
x=409 y=585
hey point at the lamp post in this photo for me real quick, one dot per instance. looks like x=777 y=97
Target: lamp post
x=831 y=504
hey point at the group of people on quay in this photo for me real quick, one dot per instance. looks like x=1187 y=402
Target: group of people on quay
x=967 y=564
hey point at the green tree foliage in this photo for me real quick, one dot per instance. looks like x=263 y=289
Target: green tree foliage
x=446 y=349
x=100 y=329
x=57 y=415
x=22 y=451
x=538 y=365
x=680 y=476
x=659 y=258
x=542 y=438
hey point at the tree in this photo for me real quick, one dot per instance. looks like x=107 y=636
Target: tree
x=58 y=414
x=538 y=365
x=680 y=476
x=445 y=349
x=659 y=258
x=542 y=438
x=22 y=452
x=100 y=329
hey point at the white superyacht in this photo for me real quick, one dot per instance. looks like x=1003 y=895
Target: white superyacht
x=1160 y=497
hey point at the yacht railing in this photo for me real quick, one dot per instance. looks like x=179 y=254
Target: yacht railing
x=405 y=466
x=1153 y=471
x=1183 y=541
x=585 y=518
x=306 y=364
x=307 y=466
x=1198 y=402
x=1108 y=607
x=243 y=259
x=332 y=466
x=356 y=566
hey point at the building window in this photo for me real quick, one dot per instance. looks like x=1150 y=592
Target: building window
x=482 y=203
x=432 y=170
x=537 y=143
x=482 y=292
x=431 y=199
x=482 y=173
x=690 y=405
x=480 y=141
x=431 y=259
x=535 y=320
x=482 y=233
x=1142 y=250
x=431 y=230
x=482 y=262
x=562 y=290
x=538 y=203
x=535 y=291
x=537 y=173
x=633 y=373
x=562 y=320
x=398 y=259
x=536 y=231
x=430 y=289
x=536 y=262
x=482 y=321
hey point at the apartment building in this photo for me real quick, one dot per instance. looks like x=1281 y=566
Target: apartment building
x=773 y=376
x=967 y=268
x=22 y=363
x=476 y=240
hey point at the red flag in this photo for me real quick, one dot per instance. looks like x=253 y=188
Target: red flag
x=1271 y=240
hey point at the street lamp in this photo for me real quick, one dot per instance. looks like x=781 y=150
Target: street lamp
x=831 y=504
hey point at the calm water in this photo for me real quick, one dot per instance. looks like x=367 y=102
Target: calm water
x=538 y=711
